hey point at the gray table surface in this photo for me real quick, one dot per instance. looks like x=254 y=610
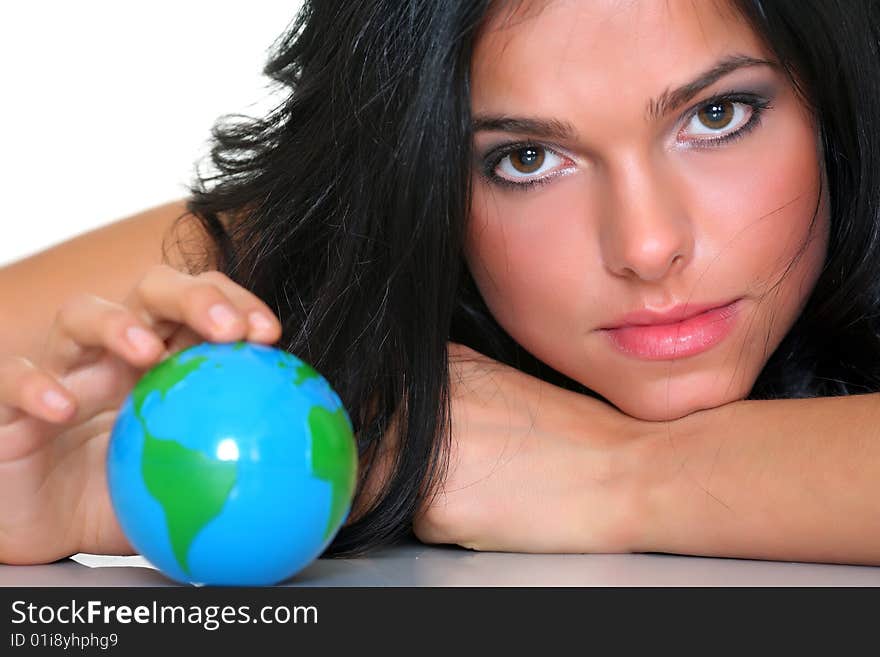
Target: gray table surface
x=414 y=564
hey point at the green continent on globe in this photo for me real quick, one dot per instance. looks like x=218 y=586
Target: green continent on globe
x=333 y=459
x=190 y=486
x=303 y=370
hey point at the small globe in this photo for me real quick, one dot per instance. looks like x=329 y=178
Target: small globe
x=231 y=464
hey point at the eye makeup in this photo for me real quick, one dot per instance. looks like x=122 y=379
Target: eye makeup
x=489 y=162
x=757 y=104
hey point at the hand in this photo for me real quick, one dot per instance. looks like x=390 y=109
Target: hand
x=53 y=484
x=532 y=468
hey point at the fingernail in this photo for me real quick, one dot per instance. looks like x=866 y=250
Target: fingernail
x=140 y=339
x=222 y=315
x=55 y=400
x=259 y=321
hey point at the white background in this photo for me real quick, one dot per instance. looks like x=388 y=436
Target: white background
x=105 y=107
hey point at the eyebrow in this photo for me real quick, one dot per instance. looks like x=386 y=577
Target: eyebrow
x=656 y=107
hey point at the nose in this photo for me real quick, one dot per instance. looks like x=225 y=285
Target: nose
x=646 y=232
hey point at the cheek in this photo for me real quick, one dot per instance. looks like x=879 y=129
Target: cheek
x=528 y=262
x=752 y=208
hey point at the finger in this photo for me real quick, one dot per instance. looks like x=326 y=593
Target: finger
x=263 y=324
x=86 y=325
x=25 y=389
x=182 y=338
x=210 y=304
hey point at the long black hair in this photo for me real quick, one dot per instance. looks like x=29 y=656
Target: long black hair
x=344 y=208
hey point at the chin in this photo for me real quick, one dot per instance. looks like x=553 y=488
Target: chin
x=654 y=407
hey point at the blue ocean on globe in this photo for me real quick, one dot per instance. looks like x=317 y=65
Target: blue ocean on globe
x=231 y=464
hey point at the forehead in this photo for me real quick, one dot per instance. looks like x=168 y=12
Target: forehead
x=576 y=50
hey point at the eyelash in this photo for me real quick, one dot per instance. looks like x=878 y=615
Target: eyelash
x=758 y=105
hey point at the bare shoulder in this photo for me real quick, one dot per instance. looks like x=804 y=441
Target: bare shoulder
x=166 y=233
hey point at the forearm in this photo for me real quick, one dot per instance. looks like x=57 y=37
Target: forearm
x=792 y=480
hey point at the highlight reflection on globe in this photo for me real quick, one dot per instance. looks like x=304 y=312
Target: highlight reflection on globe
x=231 y=464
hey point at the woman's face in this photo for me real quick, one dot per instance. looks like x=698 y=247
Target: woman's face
x=599 y=190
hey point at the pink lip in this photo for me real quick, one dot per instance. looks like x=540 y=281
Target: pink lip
x=694 y=334
x=673 y=315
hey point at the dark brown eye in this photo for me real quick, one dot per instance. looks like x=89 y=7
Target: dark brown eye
x=716 y=115
x=528 y=159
